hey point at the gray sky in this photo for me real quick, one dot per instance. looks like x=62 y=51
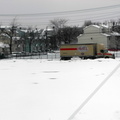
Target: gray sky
x=48 y=6
x=42 y=6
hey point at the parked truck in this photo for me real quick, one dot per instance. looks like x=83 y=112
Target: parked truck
x=90 y=50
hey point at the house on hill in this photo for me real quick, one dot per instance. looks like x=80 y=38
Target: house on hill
x=99 y=34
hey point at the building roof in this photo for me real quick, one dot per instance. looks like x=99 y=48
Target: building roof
x=105 y=34
x=96 y=26
x=115 y=34
x=106 y=27
x=2 y=45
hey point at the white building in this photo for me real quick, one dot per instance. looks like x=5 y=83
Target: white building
x=95 y=34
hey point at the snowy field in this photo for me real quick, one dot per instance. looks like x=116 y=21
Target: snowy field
x=41 y=89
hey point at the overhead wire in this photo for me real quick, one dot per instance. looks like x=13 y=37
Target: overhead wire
x=75 y=16
x=66 y=12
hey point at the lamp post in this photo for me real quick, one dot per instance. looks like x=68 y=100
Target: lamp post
x=54 y=38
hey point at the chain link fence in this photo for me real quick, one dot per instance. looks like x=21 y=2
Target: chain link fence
x=49 y=56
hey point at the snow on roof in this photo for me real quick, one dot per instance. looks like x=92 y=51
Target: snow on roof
x=3 y=34
x=96 y=26
x=105 y=26
x=16 y=38
x=5 y=26
x=92 y=26
x=99 y=26
x=2 y=45
x=105 y=34
x=115 y=34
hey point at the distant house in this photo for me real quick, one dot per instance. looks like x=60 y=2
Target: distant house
x=114 y=41
x=3 y=47
x=4 y=43
x=4 y=38
x=99 y=34
x=26 y=41
x=48 y=35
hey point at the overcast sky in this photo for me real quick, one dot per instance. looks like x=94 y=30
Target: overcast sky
x=41 y=6
x=48 y=6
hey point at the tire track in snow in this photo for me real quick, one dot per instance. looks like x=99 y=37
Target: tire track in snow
x=93 y=93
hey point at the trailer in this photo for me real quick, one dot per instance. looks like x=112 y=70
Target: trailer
x=84 y=51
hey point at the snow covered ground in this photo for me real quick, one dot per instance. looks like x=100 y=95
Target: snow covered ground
x=40 y=89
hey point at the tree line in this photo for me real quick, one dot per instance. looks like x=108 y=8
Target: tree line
x=61 y=33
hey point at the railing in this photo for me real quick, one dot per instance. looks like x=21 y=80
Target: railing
x=44 y=55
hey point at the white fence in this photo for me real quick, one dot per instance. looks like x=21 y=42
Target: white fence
x=116 y=53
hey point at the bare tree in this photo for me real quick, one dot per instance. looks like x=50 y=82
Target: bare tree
x=69 y=34
x=31 y=37
x=87 y=23
x=58 y=23
x=11 y=32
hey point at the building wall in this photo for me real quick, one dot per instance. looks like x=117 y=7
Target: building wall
x=4 y=39
x=93 y=35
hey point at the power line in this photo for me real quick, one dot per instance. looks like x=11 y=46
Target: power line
x=65 y=12
x=73 y=17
